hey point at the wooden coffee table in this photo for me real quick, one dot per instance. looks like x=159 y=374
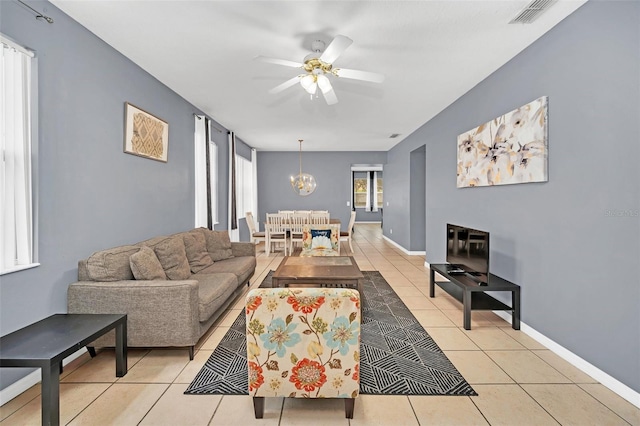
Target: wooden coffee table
x=330 y=270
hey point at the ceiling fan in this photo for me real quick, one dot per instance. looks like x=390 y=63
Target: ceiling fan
x=318 y=65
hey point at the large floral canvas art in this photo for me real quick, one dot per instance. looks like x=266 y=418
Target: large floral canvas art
x=512 y=148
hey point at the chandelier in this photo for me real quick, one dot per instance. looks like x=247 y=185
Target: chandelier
x=303 y=183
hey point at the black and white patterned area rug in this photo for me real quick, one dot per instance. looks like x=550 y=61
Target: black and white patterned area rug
x=397 y=355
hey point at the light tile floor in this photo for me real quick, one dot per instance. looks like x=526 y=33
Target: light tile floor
x=519 y=381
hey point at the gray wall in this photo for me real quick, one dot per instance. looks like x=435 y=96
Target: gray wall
x=562 y=241
x=332 y=171
x=92 y=195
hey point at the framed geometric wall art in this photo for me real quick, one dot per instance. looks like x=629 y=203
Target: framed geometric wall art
x=512 y=148
x=145 y=135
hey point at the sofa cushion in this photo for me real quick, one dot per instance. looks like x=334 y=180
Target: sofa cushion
x=213 y=291
x=112 y=264
x=152 y=242
x=241 y=267
x=146 y=266
x=197 y=254
x=173 y=258
x=218 y=244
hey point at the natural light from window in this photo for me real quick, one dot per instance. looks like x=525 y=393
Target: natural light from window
x=17 y=124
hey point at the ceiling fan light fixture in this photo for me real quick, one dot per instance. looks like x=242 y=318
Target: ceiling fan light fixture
x=323 y=83
x=309 y=83
x=318 y=64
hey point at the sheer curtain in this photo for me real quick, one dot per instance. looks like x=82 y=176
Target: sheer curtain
x=254 y=185
x=200 y=150
x=16 y=214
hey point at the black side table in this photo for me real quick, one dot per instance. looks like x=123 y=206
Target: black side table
x=47 y=342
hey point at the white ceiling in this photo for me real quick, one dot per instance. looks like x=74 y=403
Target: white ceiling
x=431 y=52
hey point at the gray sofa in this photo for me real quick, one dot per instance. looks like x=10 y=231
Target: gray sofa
x=172 y=288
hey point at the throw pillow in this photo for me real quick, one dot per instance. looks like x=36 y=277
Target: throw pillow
x=197 y=254
x=111 y=264
x=173 y=258
x=218 y=244
x=146 y=266
x=321 y=239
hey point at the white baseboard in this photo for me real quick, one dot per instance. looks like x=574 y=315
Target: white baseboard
x=404 y=250
x=15 y=389
x=364 y=221
x=615 y=385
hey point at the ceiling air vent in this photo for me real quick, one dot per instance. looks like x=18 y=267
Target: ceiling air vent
x=532 y=11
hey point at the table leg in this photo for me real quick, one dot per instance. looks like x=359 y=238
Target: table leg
x=466 y=305
x=432 y=279
x=515 y=304
x=267 y=243
x=51 y=394
x=121 y=348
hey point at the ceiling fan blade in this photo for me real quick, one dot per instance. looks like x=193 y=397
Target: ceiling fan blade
x=335 y=48
x=277 y=61
x=279 y=88
x=359 y=75
x=327 y=90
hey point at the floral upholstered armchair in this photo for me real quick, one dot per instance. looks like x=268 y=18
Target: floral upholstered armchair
x=321 y=240
x=303 y=343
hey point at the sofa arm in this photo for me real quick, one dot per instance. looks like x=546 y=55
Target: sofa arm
x=243 y=249
x=159 y=313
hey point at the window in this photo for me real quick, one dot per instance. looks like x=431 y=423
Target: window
x=17 y=126
x=206 y=179
x=360 y=190
x=367 y=187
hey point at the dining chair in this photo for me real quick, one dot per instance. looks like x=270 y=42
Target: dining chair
x=296 y=223
x=319 y=218
x=286 y=212
x=254 y=236
x=346 y=235
x=276 y=230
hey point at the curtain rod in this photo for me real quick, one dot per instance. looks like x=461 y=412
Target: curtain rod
x=38 y=14
x=5 y=41
x=200 y=117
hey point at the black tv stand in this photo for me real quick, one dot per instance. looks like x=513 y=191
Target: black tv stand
x=471 y=292
x=477 y=277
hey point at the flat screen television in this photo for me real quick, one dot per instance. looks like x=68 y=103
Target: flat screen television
x=468 y=250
